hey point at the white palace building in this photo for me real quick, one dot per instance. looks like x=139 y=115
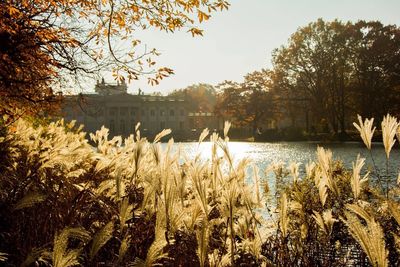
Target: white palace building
x=119 y=111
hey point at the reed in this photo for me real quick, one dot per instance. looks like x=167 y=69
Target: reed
x=131 y=202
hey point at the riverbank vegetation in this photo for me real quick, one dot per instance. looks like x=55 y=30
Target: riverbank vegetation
x=325 y=75
x=64 y=202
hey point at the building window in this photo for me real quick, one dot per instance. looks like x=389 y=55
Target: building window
x=122 y=126
x=162 y=112
x=181 y=125
x=123 y=111
x=182 y=112
x=143 y=112
x=172 y=112
x=113 y=111
x=133 y=112
x=112 y=125
x=152 y=113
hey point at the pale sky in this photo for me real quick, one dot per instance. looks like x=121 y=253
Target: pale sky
x=240 y=40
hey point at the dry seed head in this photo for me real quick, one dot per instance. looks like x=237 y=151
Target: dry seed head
x=216 y=261
x=283 y=215
x=277 y=167
x=203 y=135
x=303 y=231
x=369 y=236
x=360 y=211
x=319 y=220
x=137 y=132
x=389 y=129
x=310 y=168
x=394 y=210
x=227 y=125
x=202 y=235
x=62 y=256
x=322 y=190
x=329 y=220
x=101 y=238
x=398 y=133
x=325 y=160
x=356 y=181
x=294 y=170
x=161 y=135
x=365 y=129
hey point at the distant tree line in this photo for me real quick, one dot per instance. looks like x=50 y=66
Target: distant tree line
x=325 y=75
x=249 y=103
x=201 y=97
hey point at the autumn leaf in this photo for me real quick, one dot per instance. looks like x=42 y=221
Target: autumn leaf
x=202 y=16
x=196 y=31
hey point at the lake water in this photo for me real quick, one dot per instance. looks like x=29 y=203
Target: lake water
x=263 y=154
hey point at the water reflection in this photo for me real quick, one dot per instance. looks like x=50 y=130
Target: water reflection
x=263 y=154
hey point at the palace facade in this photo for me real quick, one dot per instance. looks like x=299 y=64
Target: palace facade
x=119 y=111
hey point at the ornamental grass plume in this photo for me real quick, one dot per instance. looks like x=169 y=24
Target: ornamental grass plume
x=369 y=235
x=203 y=135
x=62 y=256
x=321 y=184
x=325 y=222
x=202 y=236
x=325 y=165
x=310 y=168
x=3 y=256
x=227 y=126
x=283 y=215
x=398 y=133
x=324 y=161
x=394 y=210
x=217 y=261
x=229 y=201
x=294 y=170
x=137 y=200
x=356 y=180
x=101 y=238
x=156 y=250
x=389 y=128
x=365 y=129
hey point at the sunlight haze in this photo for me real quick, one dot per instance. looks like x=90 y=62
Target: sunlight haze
x=241 y=40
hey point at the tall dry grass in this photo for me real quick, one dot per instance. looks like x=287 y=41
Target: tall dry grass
x=135 y=202
x=66 y=201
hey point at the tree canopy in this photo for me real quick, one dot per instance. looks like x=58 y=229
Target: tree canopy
x=202 y=97
x=43 y=43
x=341 y=69
x=325 y=75
x=248 y=103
